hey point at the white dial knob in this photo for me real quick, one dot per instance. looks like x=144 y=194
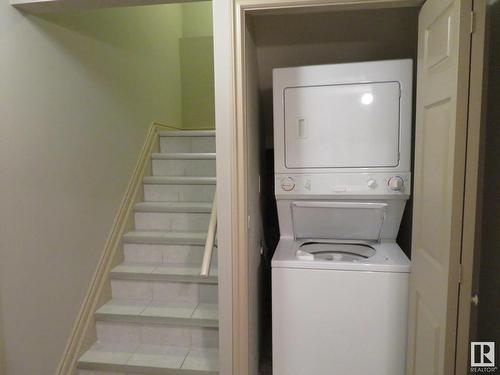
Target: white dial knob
x=287 y=184
x=307 y=184
x=372 y=184
x=396 y=183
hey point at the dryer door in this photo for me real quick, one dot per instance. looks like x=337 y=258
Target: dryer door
x=342 y=126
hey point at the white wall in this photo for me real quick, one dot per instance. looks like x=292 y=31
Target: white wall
x=77 y=93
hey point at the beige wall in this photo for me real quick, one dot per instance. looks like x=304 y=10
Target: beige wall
x=321 y=38
x=77 y=93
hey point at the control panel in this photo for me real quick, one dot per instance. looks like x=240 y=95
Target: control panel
x=343 y=184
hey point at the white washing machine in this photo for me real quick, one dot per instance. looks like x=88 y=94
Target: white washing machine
x=342 y=136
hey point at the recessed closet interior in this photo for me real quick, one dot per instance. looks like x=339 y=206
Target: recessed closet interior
x=299 y=37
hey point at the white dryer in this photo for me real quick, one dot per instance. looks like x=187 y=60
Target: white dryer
x=342 y=137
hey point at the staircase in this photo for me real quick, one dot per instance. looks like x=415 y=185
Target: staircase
x=163 y=318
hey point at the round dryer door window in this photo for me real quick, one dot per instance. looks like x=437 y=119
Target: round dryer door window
x=340 y=252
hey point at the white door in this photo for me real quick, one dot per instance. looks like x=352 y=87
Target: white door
x=440 y=145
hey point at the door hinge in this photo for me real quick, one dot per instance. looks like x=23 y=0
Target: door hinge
x=460 y=273
x=472 y=21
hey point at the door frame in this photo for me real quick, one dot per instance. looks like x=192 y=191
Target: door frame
x=233 y=172
x=230 y=87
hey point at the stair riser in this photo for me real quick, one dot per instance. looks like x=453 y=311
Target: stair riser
x=167 y=291
x=198 y=168
x=178 y=193
x=187 y=144
x=155 y=334
x=167 y=254
x=175 y=221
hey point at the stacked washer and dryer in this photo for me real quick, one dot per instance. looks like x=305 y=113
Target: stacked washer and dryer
x=342 y=138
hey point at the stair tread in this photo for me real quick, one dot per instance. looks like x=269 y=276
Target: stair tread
x=187 y=133
x=150 y=359
x=184 y=155
x=200 y=207
x=162 y=272
x=179 y=180
x=161 y=269
x=198 y=314
x=165 y=237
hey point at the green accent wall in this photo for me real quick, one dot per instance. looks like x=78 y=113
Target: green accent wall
x=197 y=19
x=197 y=81
x=135 y=50
x=197 y=68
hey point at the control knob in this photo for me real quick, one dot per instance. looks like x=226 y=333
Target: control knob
x=287 y=184
x=395 y=183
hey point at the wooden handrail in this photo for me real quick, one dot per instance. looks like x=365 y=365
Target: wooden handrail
x=209 y=243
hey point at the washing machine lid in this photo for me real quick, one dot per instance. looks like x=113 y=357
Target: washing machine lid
x=338 y=220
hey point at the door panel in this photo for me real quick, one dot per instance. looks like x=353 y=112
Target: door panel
x=441 y=120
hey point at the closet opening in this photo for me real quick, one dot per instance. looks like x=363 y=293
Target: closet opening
x=294 y=38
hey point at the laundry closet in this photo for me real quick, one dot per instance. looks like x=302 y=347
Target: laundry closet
x=315 y=38
x=432 y=36
x=309 y=39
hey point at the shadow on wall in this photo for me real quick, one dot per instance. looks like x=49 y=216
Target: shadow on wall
x=154 y=42
x=489 y=290
x=143 y=40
